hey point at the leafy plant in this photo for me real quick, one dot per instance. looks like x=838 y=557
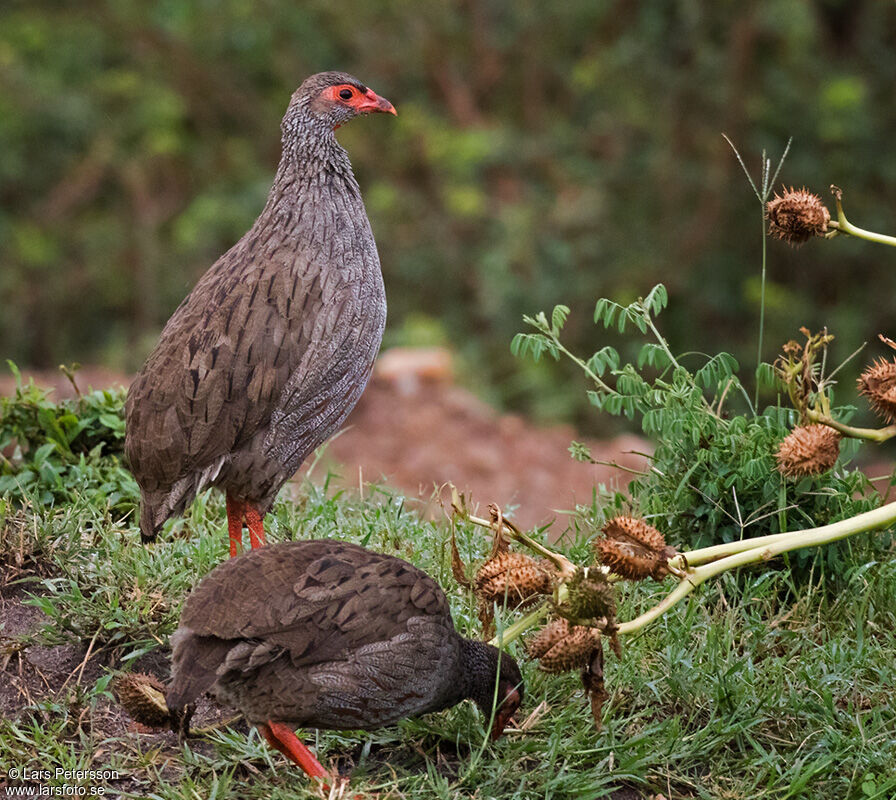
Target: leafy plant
x=53 y=453
x=713 y=476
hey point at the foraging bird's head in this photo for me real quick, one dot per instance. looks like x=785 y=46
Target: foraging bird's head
x=330 y=99
x=510 y=695
x=483 y=665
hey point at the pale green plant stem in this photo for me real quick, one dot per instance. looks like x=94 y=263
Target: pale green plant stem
x=518 y=628
x=662 y=340
x=721 y=558
x=869 y=434
x=588 y=371
x=842 y=225
x=813 y=537
x=863 y=522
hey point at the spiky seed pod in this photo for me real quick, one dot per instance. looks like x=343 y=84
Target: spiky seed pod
x=626 y=559
x=590 y=595
x=633 y=549
x=878 y=384
x=808 y=450
x=515 y=575
x=626 y=529
x=143 y=697
x=561 y=646
x=796 y=216
x=547 y=637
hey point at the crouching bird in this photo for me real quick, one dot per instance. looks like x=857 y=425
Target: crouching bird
x=326 y=634
x=266 y=357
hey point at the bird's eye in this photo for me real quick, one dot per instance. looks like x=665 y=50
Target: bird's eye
x=346 y=94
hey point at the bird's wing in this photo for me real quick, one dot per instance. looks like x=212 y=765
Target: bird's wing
x=346 y=336
x=316 y=600
x=224 y=359
x=382 y=682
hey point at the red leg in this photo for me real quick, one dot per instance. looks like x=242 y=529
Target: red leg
x=255 y=523
x=282 y=737
x=235 y=525
x=239 y=513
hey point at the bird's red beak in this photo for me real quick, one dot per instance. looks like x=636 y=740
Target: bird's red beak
x=505 y=712
x=372 y=103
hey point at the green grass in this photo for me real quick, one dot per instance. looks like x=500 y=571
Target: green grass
x=738 y=693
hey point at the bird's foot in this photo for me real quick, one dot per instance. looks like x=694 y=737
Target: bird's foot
x=242 y=513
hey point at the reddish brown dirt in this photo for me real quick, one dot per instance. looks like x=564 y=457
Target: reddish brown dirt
x=415 y=429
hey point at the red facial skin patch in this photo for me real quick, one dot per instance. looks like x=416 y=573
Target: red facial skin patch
x=366 y=102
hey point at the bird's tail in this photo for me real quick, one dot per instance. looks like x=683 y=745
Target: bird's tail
x=156 y=507
x=149 y=527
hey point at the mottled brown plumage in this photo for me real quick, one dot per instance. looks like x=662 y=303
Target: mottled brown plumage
x=327 y=634
x=265 y=358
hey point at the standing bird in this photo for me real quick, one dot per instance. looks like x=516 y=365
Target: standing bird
x=271 y=350
x=326 y=634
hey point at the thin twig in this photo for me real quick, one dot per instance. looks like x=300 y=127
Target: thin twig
x=849 y=358
x=780 y=164
x=615 y=465
x=743 y=166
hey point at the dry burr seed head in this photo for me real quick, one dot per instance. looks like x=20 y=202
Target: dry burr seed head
x=797 y=215
x=561 y=646
x=590 y=596
x=878 y=384
x=547 y=637
x=633 y=549
x=514 y=575
x=634 y=529
x=808 y=450
x=143 y=697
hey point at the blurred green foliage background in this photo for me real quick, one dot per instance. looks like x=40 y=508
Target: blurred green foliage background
x=543 y=153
